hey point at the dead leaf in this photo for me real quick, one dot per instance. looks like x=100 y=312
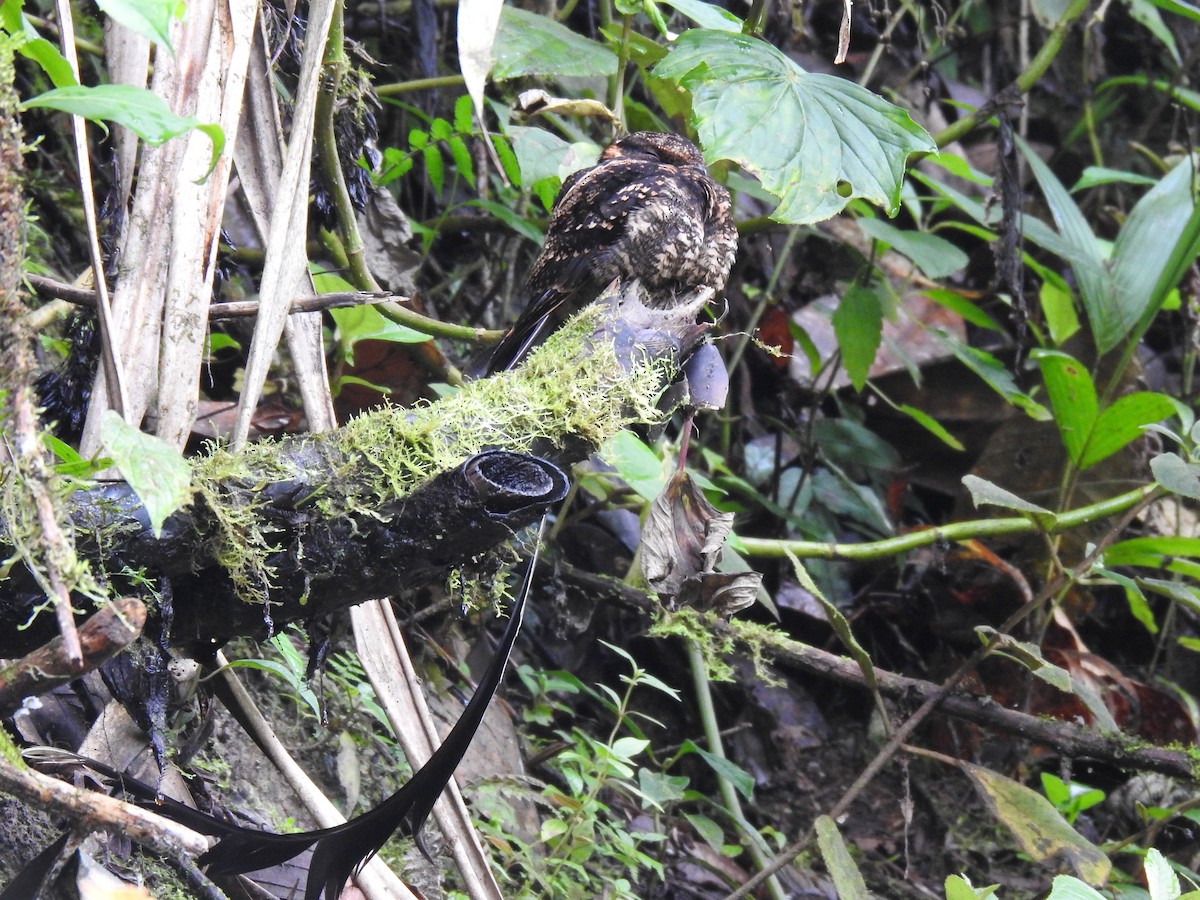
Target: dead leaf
x=681 y=546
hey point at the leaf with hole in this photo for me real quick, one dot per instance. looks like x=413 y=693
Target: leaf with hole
x=814 y=141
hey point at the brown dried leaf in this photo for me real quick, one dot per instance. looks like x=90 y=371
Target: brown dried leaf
x=681 y=546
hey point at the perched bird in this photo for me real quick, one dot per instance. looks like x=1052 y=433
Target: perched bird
x=647 y=210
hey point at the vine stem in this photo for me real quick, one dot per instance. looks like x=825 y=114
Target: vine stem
x=952 y=533
x=712 y=735
x=418 y=84
x=900 y=736
x=335 y=65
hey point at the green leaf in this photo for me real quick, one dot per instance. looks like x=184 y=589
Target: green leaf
x=1067 y=887
x=628 y=747
x=1144 y=13
x=1155 y=246
x=46 y=55
x=742 y=781
x=814 y=141
x=542 y=154
x=1123 y=423
x=1095 y=176
x=1073 y=398
x=70 y=462
x=839 y=623
x=709 y=830
x=435 y=167
x=366 y=323
x=959 y=304
x=995 y=373
x=1152 y=552
x=1177 y=475
x=659 y=788
x=1039 y=829
x=1180 y=8
x=33 y=46
x=462 y=157
x=932 y=425
x=531 y=45
x=1058 y=307
x=149 y=18
x=958 y=887
x=141 y=111
x=1161 y=880
x=847 y=443
x=1029 y=655
x=843 y=496
x=1187 y=594
x=464 y=116
x=1056 y=790
x=396 y=164
x=1139 y=606
x=933 y=255
x=985 y=492
x=156 y=471
x=1078 y=246
x=517 y=223
x=858 y=324
x=636 y=464
x=847 y=879
x=707 y=15
x=1049 y=12
x=508 y=159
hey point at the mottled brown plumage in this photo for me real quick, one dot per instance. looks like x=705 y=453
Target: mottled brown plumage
x=647 y=210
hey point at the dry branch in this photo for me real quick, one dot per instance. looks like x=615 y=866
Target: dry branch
x=101 y=637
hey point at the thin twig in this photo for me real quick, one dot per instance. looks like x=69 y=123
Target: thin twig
x=113 y=372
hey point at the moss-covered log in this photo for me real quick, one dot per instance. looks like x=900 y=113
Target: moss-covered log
x=292 y=529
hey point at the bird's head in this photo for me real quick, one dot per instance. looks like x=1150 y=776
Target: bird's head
x=660 y=146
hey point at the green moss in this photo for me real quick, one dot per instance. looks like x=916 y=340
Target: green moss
x=705 y=632
x=571 y=389
x=716 y=637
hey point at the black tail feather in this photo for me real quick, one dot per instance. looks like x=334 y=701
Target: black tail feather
x=339 y=851
x=344 y=849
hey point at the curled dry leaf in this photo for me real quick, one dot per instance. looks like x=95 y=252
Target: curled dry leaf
x=538 y=102
x=681 y=546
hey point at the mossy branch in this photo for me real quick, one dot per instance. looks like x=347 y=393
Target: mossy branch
x=396 y=498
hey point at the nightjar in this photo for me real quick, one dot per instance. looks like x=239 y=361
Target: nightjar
x=647 y=210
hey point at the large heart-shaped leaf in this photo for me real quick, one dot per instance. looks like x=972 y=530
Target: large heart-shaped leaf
x=815 y=141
